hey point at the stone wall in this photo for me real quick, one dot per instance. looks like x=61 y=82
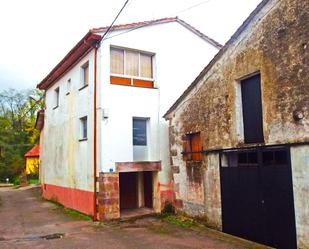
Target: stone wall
x=275 y=43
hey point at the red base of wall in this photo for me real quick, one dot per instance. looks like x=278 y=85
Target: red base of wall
x=76 y=199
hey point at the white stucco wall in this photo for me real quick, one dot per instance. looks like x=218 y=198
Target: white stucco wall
x=66 y=161
x=179 y=57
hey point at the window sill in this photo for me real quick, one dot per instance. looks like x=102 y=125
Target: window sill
x=83 y=139
x=55 y=107
x=83 y=87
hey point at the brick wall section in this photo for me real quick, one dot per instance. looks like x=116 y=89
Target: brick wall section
x=108 y=196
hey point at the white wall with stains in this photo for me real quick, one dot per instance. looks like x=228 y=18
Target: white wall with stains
x=66 y=161
x=179 y=56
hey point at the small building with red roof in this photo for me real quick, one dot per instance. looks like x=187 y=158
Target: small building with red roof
x=33 y=160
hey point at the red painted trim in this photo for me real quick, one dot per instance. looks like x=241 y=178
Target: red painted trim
x=76 y=199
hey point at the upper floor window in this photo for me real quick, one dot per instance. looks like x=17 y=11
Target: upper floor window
x=192 y=147
x=85 y=74
x=56 y=98
x=83 y=128
x=252 y=109
x=130 y=67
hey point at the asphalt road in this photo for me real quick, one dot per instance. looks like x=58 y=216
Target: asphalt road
x=27 y=221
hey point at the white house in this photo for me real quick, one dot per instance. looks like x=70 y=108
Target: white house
x=104 y=143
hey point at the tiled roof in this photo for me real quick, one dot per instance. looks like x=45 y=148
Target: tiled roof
x=136 y=25
x=86 y=44
x=35 y=151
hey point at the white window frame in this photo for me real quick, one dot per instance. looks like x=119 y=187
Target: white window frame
x=82 y=74
x=124 y=75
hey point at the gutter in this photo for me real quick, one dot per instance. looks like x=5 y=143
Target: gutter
x=95 y=135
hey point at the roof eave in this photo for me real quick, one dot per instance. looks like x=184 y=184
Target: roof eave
x=80 y=49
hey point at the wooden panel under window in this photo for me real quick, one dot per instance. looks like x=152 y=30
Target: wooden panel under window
x=120 y=81
x=117 y=61
x=143 y=83
x=146 y=65
x=132 y=63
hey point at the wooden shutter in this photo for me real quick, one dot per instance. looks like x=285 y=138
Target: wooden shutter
x=146 y=65
x=117 y=61
x=132 y=62
x=196 y=146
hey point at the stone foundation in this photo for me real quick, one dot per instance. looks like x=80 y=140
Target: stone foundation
x=108 y=196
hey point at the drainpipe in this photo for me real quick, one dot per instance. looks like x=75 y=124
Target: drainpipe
x=95 y=136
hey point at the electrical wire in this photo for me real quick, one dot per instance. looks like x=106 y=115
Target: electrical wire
x=192 y=7
x=109 y=28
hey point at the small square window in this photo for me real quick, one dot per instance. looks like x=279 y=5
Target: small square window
x=85 y=74
x=83 y=128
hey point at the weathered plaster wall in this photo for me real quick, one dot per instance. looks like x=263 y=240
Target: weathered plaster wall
x=300 y=166
x=276 y=44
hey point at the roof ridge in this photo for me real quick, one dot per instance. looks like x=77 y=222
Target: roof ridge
x=140 y=23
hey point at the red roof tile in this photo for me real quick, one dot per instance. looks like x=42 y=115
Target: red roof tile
x=35 y=151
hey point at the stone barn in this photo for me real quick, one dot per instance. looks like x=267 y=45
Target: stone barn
x=239 y=134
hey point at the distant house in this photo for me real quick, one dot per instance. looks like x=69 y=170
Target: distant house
x=33 y=160
x=239 y=135
x=104 y=143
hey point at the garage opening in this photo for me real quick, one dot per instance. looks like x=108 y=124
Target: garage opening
x=257 y=195
x=136 y=193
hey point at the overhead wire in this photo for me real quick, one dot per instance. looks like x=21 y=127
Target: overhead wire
x=146 y=24
x=118 y=14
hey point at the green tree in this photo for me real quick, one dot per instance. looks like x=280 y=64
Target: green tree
x=17 y=132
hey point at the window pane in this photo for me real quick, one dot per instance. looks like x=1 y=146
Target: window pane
x=83 y=127
x=139 y=132
x=131 y=63
x=146 y=66
x=116 y=62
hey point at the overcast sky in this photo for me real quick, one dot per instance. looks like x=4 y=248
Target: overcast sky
x=37 y=34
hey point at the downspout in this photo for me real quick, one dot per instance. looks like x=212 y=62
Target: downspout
x=95 y=136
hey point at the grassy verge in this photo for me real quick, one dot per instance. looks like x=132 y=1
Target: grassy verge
x=33 y=181
x=70 y=212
